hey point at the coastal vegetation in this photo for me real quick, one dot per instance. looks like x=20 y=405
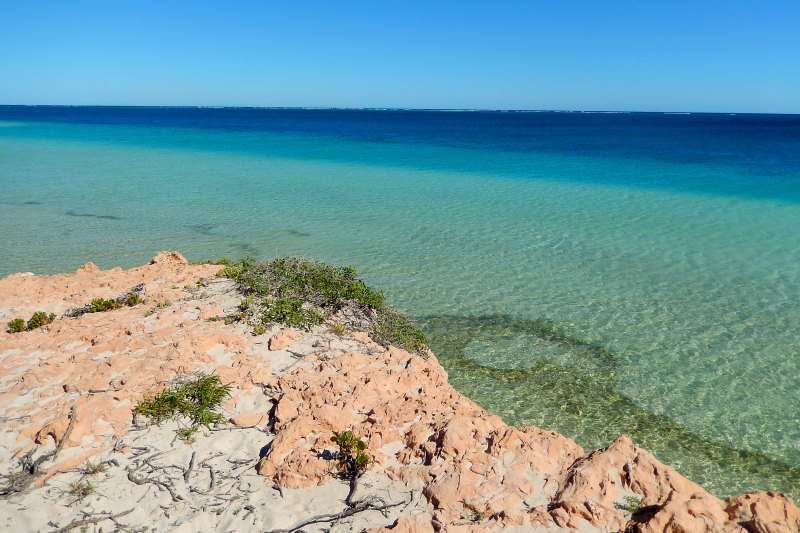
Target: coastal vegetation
x=37 y=320
x=101 y=305
x=196 y=401
x=80 y=490
x=301 y=293
x=352 y=459
x=16 y=325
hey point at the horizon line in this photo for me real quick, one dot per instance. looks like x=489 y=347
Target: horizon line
x=386 y=108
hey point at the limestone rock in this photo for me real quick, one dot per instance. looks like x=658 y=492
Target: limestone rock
x=283 y=339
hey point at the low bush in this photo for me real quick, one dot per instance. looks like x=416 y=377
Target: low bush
x=290 y=312
x=353 y=459
x=394 y=328
x=16 y=325
x=39 y=319
x=196 y=400
x=80 y=490
x=100 y=305
x=301 y=293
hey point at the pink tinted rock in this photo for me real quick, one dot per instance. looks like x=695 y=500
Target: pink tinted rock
x=248 y=419
x=416 y=523
x=283 y=339
x=764 y=512
x=169 y=258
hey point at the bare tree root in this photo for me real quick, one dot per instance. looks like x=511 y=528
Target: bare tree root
x=91 y=519
x=369 y=504
x=30 y=468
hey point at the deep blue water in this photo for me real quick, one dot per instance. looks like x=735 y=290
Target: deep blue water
x=763 y=147
x=593 y=273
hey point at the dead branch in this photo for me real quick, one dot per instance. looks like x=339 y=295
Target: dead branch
x=188 y=470
x=91 y=519
x=359 y=507
x=143 y=480
x=29 y=468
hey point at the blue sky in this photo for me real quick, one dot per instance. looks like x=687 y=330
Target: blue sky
x=634 y=55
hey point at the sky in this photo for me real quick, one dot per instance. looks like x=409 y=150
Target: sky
x=706 y=55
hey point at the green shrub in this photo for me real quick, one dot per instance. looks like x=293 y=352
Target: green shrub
x=301 y=293
x=234 y=270
x=16 y=325
x=80 y=490
x=39 y=319
x=394 y=328
x=338 y=328
x=196 y=400
x=290 y=312
x=323 y=285
x=132 y=299
x=100 y=305
x=246 y=303
x=353 y=460
x=631 y=504
x=92 y=468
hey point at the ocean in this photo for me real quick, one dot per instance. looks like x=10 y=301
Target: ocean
x=590 y=273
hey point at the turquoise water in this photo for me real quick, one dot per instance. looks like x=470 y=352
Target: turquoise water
x=593 y=291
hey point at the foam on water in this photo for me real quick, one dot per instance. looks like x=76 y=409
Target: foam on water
x=592 y=295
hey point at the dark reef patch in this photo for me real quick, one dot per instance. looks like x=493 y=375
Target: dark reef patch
x=582 y=399
x=72 y=213
x=245 y=249
x=202 y=229
x=297 y=233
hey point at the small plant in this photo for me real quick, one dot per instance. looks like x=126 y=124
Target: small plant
x=163 y=304
x=187 y=433
x=631 y=504
x=259 y=329
x=196 y=400
x=92 y=468
x=16 y=325
x=233 y=319
x=39 y=319
x=247 y=303
x=80 y=490
x=475 y=516
x=133 y=299
x=352 y=458
x=233 y=270
x=338 y=328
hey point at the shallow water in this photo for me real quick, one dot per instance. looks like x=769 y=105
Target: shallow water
x=590 y=274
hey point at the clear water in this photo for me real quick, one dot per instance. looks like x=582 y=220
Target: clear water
x=593 y=274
